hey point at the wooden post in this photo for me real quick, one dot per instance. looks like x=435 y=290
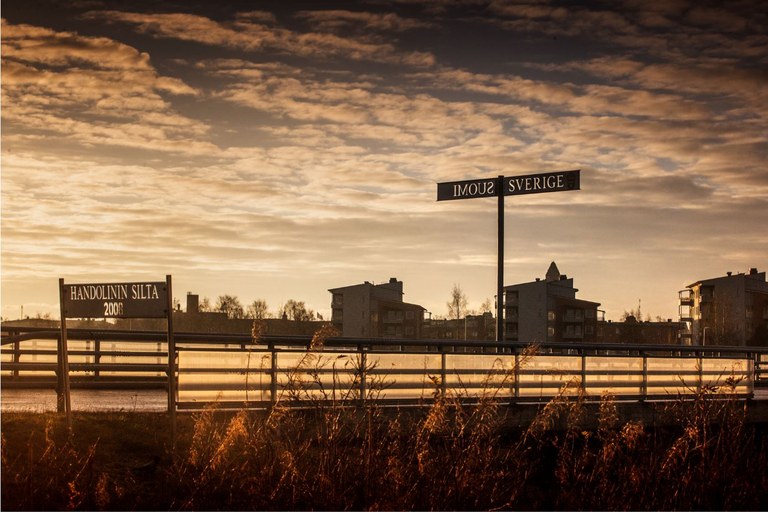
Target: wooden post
x=171 y=358
x=363 y=363
x=16 y=358
x=700 y=384
x=273 y=375
x=443 y=372
x=63 y=399
x=96 y=357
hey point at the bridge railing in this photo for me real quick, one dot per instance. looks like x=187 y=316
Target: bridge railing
x=29 y=358
x=261 y=376
x=236 y=371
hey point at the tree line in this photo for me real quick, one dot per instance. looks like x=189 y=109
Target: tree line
x=258 y=309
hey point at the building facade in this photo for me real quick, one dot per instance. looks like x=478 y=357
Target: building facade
x=370 y=310
x=727 y=310
x=480 y=327
x=548 y=310
x=635 y=331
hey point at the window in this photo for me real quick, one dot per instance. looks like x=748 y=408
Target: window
x=551 y=316
x=410 y=315
x=338 y=299
x=550 y=332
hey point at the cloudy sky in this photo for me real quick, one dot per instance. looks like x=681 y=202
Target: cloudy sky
x=276 y=149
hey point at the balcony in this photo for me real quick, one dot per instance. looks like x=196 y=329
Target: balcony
x=392 y=317
x=573 y=317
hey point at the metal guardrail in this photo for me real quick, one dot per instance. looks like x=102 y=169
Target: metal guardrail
x=237 y=372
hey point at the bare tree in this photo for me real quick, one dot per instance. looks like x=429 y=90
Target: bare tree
x=230 y=305
x=296 y=310
x=486 y=306
x=258 y=310
x=205 y=305
x=457 y=306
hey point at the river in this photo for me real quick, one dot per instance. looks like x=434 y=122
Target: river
x=96 y=400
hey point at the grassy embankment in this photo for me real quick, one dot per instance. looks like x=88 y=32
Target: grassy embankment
x=335 y=458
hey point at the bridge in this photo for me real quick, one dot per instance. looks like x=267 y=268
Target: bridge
x=238 y=371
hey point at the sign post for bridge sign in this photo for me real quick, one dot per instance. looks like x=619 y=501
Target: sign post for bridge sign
x=558 y=181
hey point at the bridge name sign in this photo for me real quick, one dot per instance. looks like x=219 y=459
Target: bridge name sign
x=116 y=300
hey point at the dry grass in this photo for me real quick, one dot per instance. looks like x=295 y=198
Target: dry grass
x=339 y=457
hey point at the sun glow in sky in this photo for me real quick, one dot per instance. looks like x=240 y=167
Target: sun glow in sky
x=278 y=149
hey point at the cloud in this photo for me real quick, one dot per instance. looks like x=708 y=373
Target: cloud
x=249 y=34
x=91 y=91
x=336 y=20
x=43 y=46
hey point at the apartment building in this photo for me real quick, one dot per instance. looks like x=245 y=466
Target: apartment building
x=370 y=310
x=727 y=310
x=548 y=310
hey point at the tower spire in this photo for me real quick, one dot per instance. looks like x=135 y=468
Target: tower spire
x=553 y=274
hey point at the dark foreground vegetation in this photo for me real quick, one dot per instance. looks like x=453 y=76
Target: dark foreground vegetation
x=336 y=458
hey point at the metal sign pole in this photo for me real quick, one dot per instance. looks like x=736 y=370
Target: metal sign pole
x=500 y=265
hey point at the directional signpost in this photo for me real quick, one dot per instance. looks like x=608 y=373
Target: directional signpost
x=499 y=187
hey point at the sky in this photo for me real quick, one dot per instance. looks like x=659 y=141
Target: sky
x=276 y=149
